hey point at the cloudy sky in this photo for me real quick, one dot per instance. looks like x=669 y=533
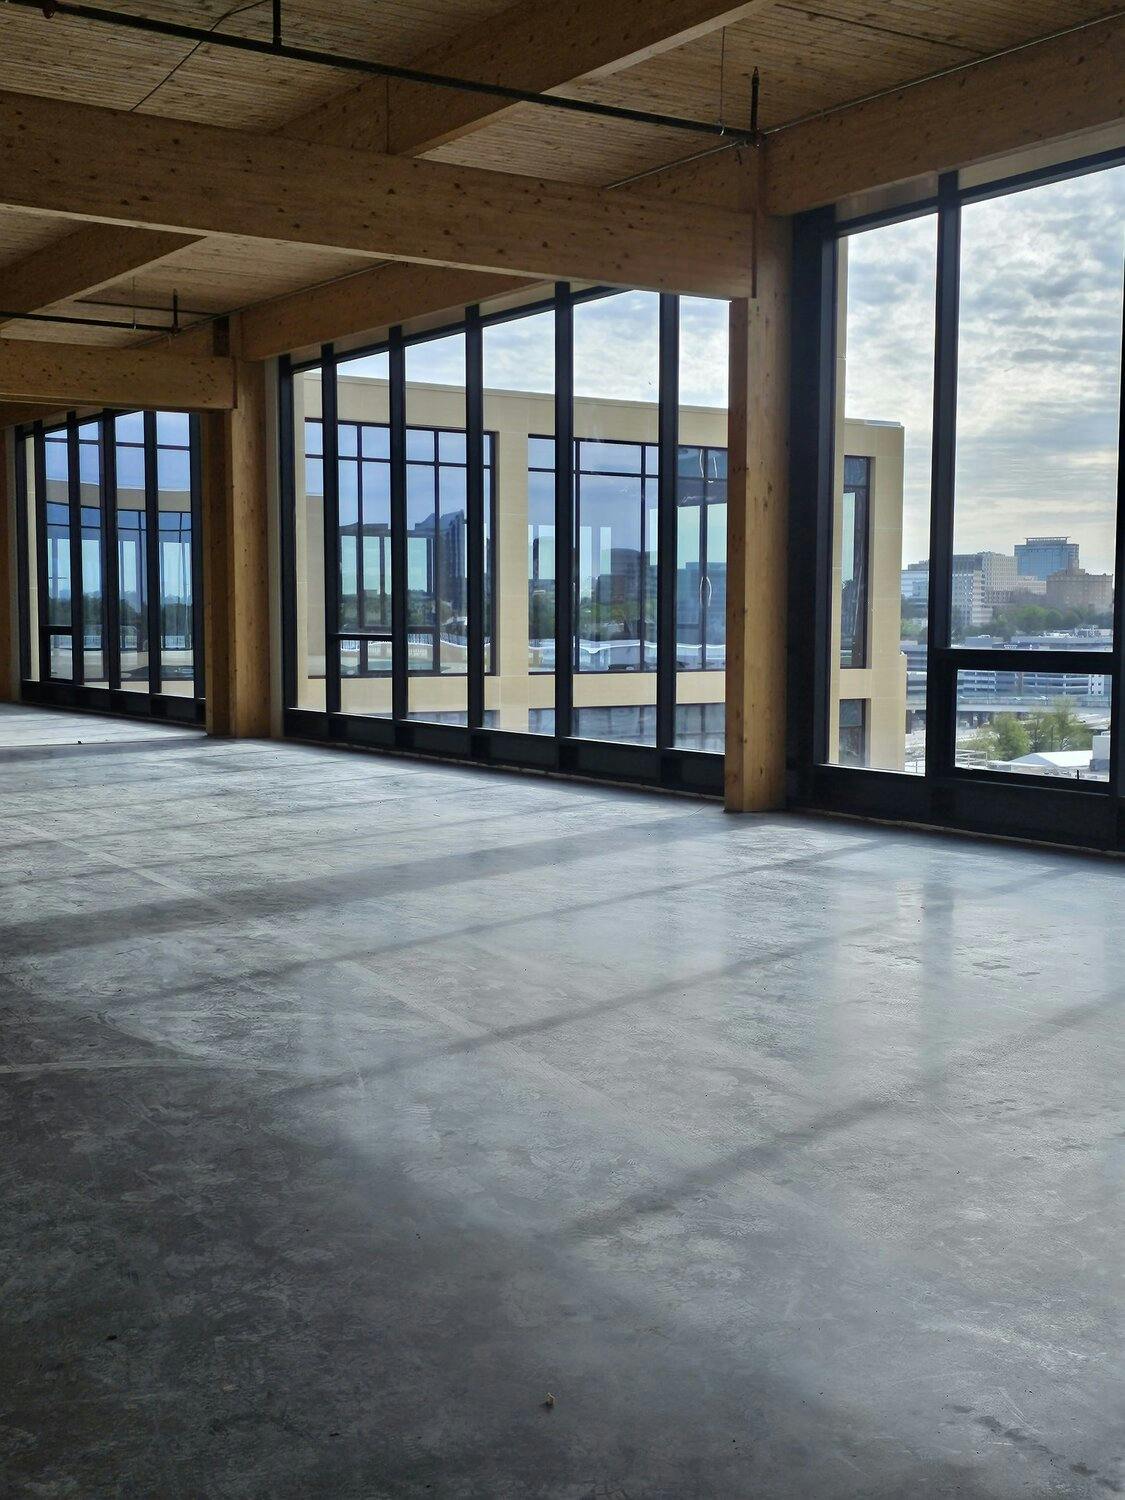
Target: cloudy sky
x=616 y=352
x=1039 y=359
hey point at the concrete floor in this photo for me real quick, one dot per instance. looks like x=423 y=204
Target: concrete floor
x=351 y=1105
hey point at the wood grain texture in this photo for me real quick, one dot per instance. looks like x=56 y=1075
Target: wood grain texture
x=83 y=262
x=1036 y=94
x=757 y=531
x=236 y=561
x=101 y=164
x=79 y=375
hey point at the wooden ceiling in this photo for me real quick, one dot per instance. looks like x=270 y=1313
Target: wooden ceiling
x=811 y=59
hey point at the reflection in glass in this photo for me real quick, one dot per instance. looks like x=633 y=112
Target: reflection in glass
x=173 y=470
x=701 y=525
x=132 y=551
x=616 y=390
x=881 y=515
x=437 y=530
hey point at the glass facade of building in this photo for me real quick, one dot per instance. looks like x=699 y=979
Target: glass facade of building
x=964 y=524
x=514 y=543
x=108 y=517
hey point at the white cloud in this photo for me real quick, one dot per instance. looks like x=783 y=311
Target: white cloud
x=1039 y=362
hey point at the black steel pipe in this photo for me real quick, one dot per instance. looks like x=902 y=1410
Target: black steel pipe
x=319 y=58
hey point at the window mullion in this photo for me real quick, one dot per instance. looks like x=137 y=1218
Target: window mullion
x=667 y=439
x=74 y=506
x=331 y=468
x=111 y=579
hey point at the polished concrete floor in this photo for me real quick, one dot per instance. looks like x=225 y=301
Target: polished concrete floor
x=352 y=1105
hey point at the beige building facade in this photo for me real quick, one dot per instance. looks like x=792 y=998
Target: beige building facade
x=519 y=685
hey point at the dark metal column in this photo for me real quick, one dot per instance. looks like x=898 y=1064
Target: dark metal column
x=152 y=553
x=399 y=660
x=39 y=460
x=564 y=510
x=474 y=490
x=74 y=503
x=330 y=445
x=288 y=458
x=1117 y=708
x=812 y=414
x=22 y=574
x=111 y=580
x=667 y=522
x=941 y=676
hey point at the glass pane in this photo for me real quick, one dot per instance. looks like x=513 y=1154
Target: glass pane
x=701 y=522
x=132 y=592
x=1048 y=723
x=1039 y=369
x=519 y=380
x=58 y=558
x=437 y=570
x=173 y=427
x=363 y=397
x=616 y=387
x=93 y=613
x=129 y=427
x=176 y=597
x=881 y=518
x=173 y=473
x=308 y=542
x=59 y=657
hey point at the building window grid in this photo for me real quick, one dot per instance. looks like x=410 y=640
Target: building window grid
x=709 y=473
x=711 y=462
x=363 y=449
x=946 y=663
x=664 y=761
x=855 y=562
x=128 y=528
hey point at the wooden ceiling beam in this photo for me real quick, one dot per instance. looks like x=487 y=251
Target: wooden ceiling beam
x=396 y=292
x=368 y=302
x=81 y=161
x=1038 y=93
x=68 y=375
x=530 y=46
x=81 y=262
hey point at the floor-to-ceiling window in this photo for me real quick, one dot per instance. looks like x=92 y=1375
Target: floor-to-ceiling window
x=109 y=532
x=963 y=524
x=504 y=533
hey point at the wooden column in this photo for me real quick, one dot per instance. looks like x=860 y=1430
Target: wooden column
x=9 y=617
x=757 y=538
x=236 y=558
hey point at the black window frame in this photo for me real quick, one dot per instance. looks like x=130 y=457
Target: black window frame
x=364 y=633
x=73 y=691
x=1084 y=813
x=660 y=764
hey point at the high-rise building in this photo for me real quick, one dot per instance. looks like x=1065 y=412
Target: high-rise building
x=1040 y=556
x=1077 y=589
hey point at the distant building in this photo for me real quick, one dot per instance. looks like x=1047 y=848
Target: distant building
x=916 y=587
x=1040 y=556
x=1078 y=589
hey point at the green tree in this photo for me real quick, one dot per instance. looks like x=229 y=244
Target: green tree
x=1059 y=728
x=1012 y=739
x=1004 y=739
